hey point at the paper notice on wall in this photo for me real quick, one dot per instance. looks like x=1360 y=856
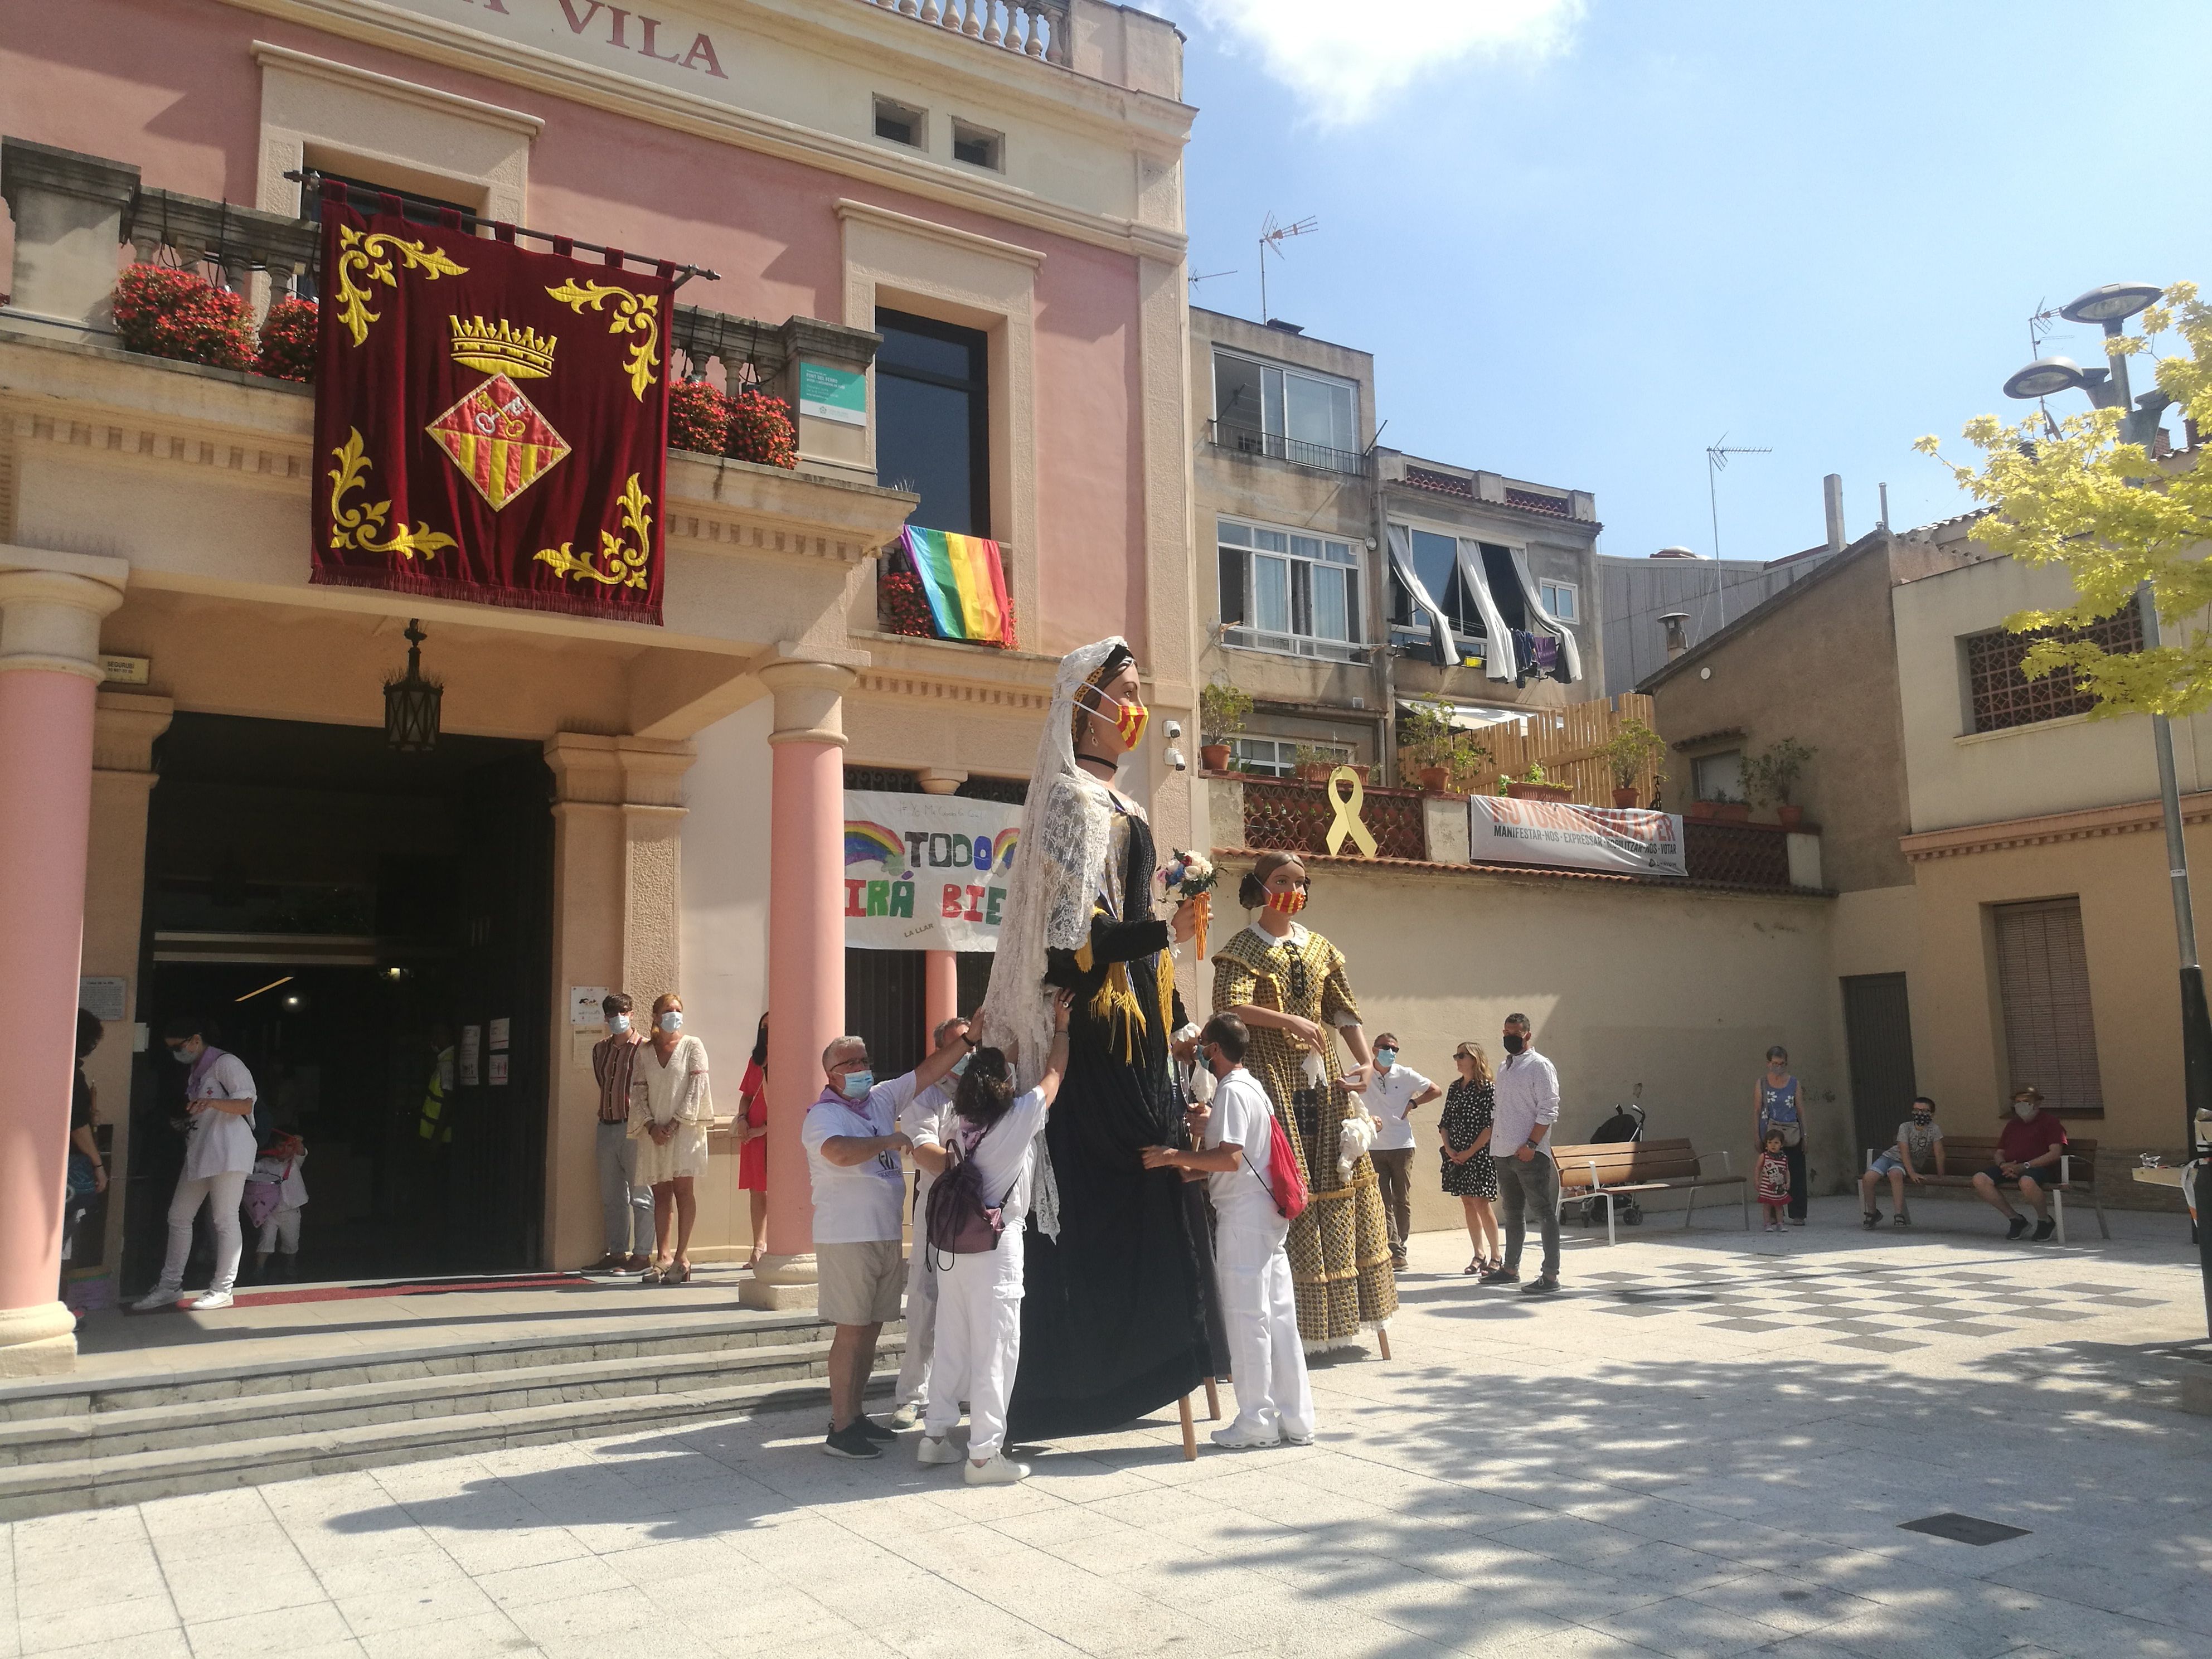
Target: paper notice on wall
x=471 y=1055
x=1504 y=831
x=499 y=1031
x=495 y=1073
x=587 y=1005
x=102 y=997
x=833 y=394
x=926 y=872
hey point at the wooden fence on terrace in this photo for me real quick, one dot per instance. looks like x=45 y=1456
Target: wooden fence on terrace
x=1564 y=742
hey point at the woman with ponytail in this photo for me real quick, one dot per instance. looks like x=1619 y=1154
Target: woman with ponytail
x=1287 y=984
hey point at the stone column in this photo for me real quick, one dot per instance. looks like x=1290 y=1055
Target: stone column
x=940 y=969
x=617 y=817
x=805 y=951
x=69 y=211
x=49 y=681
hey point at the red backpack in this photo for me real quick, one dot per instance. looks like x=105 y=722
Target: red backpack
x=1286 y=1182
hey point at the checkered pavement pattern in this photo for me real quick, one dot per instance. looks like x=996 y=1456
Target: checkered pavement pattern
x=1880 y=1309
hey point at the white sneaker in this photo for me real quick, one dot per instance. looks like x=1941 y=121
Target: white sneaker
x=157 y=1300
x=1000 y=1471
x=1230 y=1439
x=906 y=1415
x=937 y=1449
x=211 y=1302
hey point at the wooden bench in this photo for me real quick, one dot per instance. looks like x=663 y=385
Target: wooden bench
x=1965 y=1156
x=1613 y=1169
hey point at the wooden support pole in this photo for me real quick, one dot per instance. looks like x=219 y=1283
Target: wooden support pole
x=1383 y=1338
x=1189 y=1432
x=1212 y=1402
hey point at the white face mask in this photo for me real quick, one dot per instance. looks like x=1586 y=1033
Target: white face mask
x=672 y=1021
x=618 y=1024
x=2023 y=1109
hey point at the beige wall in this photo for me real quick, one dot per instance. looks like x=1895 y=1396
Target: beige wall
x=1681 y=992
x=1820 y=667
x=1958 y=777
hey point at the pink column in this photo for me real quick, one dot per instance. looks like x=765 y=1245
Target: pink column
x=49 y=682
x=940 y=990
x=806 y=953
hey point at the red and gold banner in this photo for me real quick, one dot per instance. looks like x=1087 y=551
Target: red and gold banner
x=490 y=424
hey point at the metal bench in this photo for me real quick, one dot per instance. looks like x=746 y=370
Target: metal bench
x=1614 y=1170
x=2077 y=1173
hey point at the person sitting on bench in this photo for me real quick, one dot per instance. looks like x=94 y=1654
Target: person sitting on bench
x=1918 y=1139
x=2028 y=1151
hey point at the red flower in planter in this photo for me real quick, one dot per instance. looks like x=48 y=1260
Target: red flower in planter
x=164 y=311
x=900 y=606
x=698 y=418
x=760 y=429
x=287 y=341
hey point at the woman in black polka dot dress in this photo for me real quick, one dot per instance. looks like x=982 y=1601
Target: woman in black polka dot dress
x=1468 y=1174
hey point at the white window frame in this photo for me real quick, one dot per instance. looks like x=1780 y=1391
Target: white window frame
x=1548 y=586
x=1248 y=635
x=1332 y=381
x=1243 y=755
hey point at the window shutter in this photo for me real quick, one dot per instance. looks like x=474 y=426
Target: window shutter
x=2043 y=981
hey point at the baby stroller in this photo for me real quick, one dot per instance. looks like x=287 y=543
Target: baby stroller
x=1627 y=1124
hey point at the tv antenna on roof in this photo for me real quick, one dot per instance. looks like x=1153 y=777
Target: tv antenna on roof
x=1716 y=460
x=1272 y=235
x=1195 y=279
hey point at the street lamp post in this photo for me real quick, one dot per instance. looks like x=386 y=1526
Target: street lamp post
x=2111 y=307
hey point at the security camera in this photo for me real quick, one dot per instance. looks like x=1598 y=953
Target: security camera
x=1174 y=759
x=1172 y=731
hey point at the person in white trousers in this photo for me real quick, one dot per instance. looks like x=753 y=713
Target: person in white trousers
x=219 y=1153
x=1268 y=1361
x=979 y=1294
x=926 y=1121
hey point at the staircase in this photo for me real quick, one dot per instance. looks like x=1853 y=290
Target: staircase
x=74 y=1444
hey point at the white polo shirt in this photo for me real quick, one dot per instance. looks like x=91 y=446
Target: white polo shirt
x=1390 y=1096
x=860 y=1205
x=220 y=1143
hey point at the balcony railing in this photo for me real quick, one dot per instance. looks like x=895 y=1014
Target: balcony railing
x=1297 y=817
x=1248 y=441
x=1033 y=28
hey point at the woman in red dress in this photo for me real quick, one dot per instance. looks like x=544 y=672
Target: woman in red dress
x=752 y=1139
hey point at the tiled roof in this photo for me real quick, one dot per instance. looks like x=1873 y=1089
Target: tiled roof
x=1529 y=501
x=1537 y=871
x=1443 y=482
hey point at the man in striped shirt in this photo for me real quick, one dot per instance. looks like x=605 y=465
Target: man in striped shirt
x=627 y=1206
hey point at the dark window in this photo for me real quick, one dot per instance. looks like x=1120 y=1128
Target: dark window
x=364 y=198
x=1436 y=561
x=1505 y=586
x=2000 y=696
x=932 y=420
x=882 y=779
x=899 y=124
x=1015 y=792
x=976 y=146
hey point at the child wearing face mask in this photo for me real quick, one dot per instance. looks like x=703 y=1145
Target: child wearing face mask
x=1918 y=1141
x=1771 y=1181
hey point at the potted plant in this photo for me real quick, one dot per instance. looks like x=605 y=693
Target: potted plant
x=1425 y=735
x=698 y=418
x=1468 y=757
x=1728 y=810
x=165 y=312
x=760 y=429
x=1703 y=812
x=1223 y=708
x=1314 y=762
x=1533 y=785
x=1768 y=780
x=287 y=352
x=1628 y=751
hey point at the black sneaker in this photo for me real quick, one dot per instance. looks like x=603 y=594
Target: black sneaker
x=850 y=1442
x=1546 y=1285
x=2044 y=1228
x=2018 y=1226
x=1500 y=1276
x=869 y=1426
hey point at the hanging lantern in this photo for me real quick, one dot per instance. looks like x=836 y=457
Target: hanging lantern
x=411 y=703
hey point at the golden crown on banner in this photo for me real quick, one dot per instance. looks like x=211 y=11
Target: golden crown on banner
x=522 y=354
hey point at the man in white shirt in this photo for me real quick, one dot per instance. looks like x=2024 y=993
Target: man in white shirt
x=1391 y=1090
x=1527 y=1093
x=219 y=1152
x=925 y=1121
x=853 y=1145
x=1252 y=1274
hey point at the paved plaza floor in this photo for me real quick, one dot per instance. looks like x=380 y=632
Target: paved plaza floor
x=1709 y=1445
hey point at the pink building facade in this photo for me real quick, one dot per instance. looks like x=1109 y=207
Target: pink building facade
x=976 y=206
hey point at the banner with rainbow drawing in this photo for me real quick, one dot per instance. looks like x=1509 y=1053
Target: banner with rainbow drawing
x=926 y=872
x=964 y=583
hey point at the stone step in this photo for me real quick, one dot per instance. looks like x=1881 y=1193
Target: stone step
x=173 y=1425
x=101 y=1481
x=213 y=1380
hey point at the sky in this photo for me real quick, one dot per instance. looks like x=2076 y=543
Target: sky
x=1586 y=239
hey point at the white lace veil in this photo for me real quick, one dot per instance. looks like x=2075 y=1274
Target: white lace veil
x=1065 y=829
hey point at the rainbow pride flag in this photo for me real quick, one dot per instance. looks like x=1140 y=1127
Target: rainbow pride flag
x=960 y=577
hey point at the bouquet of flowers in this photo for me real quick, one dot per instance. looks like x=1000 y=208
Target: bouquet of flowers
x=1188 y=876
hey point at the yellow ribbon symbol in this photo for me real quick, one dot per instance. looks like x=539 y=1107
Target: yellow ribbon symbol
x=1347 y=812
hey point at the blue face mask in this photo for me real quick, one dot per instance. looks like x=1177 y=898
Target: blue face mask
x=1386 y=1058
x=960 y=1066
x=618 y=1025
x=672 y=1021
x=854 y=1086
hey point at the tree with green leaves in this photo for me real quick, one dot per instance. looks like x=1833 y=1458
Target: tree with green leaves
x=2116 y=519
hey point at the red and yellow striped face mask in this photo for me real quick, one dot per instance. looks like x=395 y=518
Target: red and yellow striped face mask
x=1128 y=717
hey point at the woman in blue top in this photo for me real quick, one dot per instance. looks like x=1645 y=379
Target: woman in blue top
x=1778 y=1104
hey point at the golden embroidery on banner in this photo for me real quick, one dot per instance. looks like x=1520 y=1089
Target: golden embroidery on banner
x=520 y=354
x=624 y=564
x=373 y=257
x=358 y=527
x=634 y=313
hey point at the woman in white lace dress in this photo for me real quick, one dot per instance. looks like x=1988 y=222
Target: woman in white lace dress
x=669 y=1110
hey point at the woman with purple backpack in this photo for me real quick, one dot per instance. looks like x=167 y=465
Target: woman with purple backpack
x=977 y=1209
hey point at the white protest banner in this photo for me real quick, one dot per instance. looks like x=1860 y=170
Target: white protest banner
x=926 y=873
x=1504 y=831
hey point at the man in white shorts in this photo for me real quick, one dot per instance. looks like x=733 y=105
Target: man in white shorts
x=852 y=1146
x=923 y=1121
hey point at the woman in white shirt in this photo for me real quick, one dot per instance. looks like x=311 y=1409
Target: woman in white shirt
x=219 y=1153
x=669 y=1108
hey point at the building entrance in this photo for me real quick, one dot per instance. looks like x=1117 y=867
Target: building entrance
x=371 y=933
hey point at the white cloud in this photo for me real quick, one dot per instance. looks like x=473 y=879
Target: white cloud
x=1347 y=56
